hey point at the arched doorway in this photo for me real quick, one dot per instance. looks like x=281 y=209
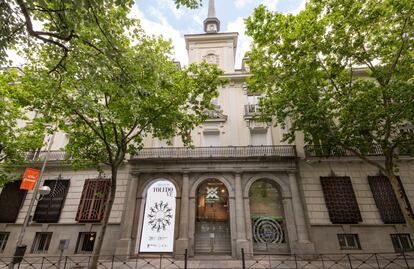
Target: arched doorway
x=159 y=217
x=212 y=229
x=267 y=217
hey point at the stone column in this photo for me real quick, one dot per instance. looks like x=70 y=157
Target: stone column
x=303 y=244
x=123 y=246
x=241 y=241
x=182 y=242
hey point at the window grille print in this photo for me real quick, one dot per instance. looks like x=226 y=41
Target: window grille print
x=86 y=242
x=402 y=242
x=340 y=200
x=11 y=200
x=385 y=199
x=92 y=204
x=49 y=208
x=41 y=242
x=349 y=241
x=4 y=236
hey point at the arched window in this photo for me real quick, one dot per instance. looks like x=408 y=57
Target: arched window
x=267 y=216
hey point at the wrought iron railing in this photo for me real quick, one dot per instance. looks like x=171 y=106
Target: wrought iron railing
x=247 y=261
x=54 y=155
x=178 y=261
x=337 y=151
x=329 y=261
x=260 y=152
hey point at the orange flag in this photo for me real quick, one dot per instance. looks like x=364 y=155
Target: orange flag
x=29 y=179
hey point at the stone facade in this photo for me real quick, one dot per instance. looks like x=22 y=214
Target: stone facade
x=237 y=151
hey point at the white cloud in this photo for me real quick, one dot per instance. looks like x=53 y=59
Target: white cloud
x=270 y=4
x=161 y=27
x=242 y=3
x=244 y=41
x=300 y=7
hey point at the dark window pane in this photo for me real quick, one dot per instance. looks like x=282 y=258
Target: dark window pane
x=385 y=199
x=86 y=242
x=41 y=242
x=48 y=209
x=4 y=236
x=11 y=200
x=340 y=200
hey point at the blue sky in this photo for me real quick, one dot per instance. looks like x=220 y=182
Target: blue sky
x=160 y=17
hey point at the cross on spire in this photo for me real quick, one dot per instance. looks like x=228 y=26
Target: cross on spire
x=212 y=23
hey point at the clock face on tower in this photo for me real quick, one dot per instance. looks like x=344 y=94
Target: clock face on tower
x=211 y=28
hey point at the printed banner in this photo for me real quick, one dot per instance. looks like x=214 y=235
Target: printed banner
x=30 y=177
x=159 y=218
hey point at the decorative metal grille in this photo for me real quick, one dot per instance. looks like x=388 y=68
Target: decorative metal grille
x=41 y=243
x=4 y=236
x=48 y=209
x=340 y=200
x=86 y=242
x=11 y=199
x=385 y=199
x=267 y=230
x=92 y=203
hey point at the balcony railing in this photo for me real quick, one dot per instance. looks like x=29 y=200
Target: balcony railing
x=230 y=152
x=337 y=151
x=54 y=155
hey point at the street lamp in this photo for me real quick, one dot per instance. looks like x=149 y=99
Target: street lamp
x=42 y=191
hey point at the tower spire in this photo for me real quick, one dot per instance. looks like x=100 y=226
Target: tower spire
x=212 y=23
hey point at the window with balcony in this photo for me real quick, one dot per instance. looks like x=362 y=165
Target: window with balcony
x=211 y=139
x=49 y=208
x=11 y=200
x=349 y=241
x=402 y=242
x=41 y=243
x=258 y=138
x=86 y=242
x=340 y=200
x=92 y=204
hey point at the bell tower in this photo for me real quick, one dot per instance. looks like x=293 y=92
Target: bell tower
x=212 y=23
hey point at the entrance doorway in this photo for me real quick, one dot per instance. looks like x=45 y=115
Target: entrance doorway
x=212 y=233
x=267 y=218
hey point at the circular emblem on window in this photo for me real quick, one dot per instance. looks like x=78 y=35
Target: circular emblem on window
x=267 y=230
x=160 y=216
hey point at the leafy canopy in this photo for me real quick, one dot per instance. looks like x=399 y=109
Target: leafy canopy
x=16 y=136
x=340 y=71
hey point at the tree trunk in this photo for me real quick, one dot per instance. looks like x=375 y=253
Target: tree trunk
x=402 y=201
x=108 y=209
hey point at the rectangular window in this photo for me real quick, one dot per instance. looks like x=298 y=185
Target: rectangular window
x=11 y=200
x=402 y=242
x=385 y=199
x=349 y=241
x=211 y=139
x=41 y=243
x=50 y=206
x=340 y=200
x=258 y=138
x=86 y=242
x=4 y=236
x=92 y=204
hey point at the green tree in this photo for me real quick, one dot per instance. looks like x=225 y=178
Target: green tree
x=107 y=107
x=16 y=137
x=61 y=21
x=340 y=72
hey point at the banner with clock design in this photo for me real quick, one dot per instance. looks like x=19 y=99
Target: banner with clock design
x=159 y=218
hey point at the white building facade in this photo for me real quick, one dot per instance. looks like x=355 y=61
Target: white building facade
x=241 y=187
